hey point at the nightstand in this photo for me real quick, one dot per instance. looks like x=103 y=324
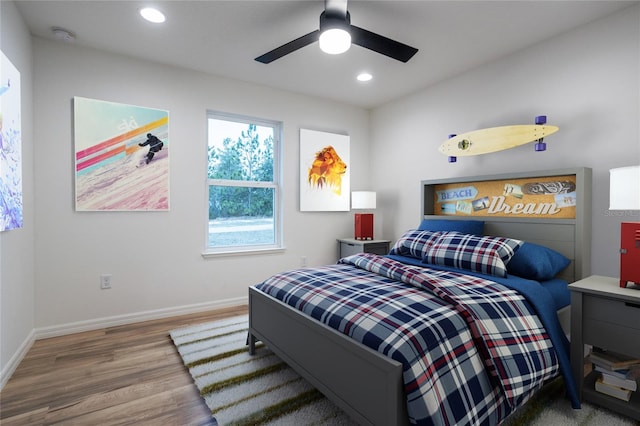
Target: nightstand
x=349 y=246
x=606 y=316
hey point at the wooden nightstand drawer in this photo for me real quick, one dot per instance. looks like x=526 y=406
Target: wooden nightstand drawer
x=378 y=248
x=350 y=246
x=613 y=337
x=347 y=249
x=619 y=312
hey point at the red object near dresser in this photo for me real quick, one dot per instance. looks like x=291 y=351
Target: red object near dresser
x=630 y=253
x=364 y=226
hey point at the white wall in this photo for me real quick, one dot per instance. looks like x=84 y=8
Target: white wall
x=17 y=280
x=155 y=257
x=587 y=82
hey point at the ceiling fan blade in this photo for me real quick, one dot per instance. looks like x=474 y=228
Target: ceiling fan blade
x=287 y=48
x=377 y=43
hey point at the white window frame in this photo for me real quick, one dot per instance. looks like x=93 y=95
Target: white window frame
x=276 y=185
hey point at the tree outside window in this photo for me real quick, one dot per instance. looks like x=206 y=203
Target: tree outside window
x=243 y=184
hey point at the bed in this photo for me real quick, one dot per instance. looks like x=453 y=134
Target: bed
x=297 y=316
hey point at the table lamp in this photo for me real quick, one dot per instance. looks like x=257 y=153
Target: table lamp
x=363 y=200
x=624 y=194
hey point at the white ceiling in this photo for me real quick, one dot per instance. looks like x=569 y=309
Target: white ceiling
x=224 y=37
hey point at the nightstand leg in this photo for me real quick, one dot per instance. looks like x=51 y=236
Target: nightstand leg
x=577 y=344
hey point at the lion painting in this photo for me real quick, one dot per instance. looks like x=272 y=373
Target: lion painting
x=327 y=170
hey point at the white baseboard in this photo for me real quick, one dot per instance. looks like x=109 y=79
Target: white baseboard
x=13 y=363
x=98 y=323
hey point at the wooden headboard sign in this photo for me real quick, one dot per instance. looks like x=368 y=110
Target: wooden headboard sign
x=548 y=196
x=552 y=208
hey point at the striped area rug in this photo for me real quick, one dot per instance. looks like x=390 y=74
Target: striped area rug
x=241 y=389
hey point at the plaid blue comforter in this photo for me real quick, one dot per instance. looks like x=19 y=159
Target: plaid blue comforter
x=472 y=350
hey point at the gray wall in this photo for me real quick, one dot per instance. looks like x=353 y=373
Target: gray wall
x=586 y=81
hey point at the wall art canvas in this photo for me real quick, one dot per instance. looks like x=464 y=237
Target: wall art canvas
x=10 y=147
x=324 y=171
x=121 y=156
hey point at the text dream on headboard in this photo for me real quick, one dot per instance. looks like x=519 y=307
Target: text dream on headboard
x=552 y=196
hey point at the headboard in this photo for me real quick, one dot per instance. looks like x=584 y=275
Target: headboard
x=551 y=208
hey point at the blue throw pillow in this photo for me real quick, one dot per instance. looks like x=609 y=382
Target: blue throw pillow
x=536 y=262
x=475 y=227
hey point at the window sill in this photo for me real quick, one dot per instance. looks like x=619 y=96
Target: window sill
x=250 y=252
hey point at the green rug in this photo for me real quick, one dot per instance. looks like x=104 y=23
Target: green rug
x=241 y=389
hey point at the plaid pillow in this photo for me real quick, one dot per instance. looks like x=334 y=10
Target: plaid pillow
x=487 y=255
x=415 y=243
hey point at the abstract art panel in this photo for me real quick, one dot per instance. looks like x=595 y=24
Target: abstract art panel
x=10 y=147
x=324 y=171
x=121 y=157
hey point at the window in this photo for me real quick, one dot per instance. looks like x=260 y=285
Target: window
x=243 y=184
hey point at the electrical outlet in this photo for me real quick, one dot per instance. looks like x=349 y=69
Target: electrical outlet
x=105 y=281
x=303 y=261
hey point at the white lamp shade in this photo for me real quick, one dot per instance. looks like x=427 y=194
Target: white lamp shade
x=624 y=193
x=363 y=200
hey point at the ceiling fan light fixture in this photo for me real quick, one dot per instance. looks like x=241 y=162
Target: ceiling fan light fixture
x=335 y=41
x=335 y=37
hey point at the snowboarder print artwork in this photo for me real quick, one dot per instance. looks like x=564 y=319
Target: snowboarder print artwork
x=122 y=157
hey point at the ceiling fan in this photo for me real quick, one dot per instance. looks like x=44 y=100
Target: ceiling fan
x=336 y=21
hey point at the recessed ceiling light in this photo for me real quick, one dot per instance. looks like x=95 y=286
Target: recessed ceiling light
x=152 y=15
x=365 y=76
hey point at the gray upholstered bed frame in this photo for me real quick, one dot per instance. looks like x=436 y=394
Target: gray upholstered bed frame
x=366 y=384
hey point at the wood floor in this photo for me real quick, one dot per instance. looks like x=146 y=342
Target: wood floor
x=123 y=375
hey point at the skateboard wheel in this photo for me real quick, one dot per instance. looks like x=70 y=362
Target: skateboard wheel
x=541 y=119
x=452 y=159
x=541 y=146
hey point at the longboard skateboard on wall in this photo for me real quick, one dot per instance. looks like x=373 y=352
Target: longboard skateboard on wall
x=494 y=139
